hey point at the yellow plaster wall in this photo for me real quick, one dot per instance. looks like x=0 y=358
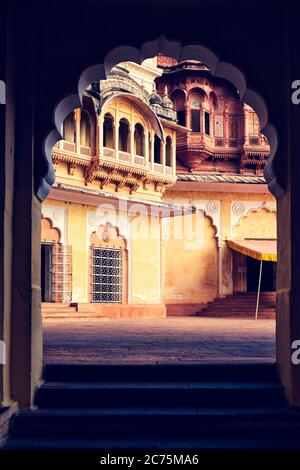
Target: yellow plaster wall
x=195 y=288
x=144 y=254
x=174 y=270
x=260 y=224
x=191 y=267
x=76 y=237
x=145 y=260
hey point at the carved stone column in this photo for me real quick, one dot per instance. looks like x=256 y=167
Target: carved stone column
x=151 y=150
x=116 y=139
x=77 y=115
x=246 y=127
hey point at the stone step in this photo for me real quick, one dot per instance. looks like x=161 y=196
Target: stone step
x=242 y=305
x=131 y=393
x=55 y=304
x=202 y=443
x=179 y=422
x=232 y=442
x=237 y=306
x=162 y=372
x=196 y=406
x=83 y=319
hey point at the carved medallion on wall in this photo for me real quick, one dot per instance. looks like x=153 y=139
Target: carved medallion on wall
x=58 y=215
x=238 y=208
x=92 y=220
x=212 y=207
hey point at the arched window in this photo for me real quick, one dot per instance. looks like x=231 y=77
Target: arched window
x=124 y=135
x=109 y=265
x=139 y=140
x=69 y=128
x=108 y=131
x=157 y=149
x=195 y=107
x=178 y=98
x=168 y=151
x=85 y=129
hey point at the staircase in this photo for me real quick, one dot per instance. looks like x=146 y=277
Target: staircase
x=242 y=305
x=158 y=406
x=56 y=312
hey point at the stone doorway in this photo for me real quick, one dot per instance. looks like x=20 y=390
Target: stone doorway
x=268 y=278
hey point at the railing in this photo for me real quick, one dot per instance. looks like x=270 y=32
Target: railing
x=84 y=150
x=71 y=147
x=139 y=160
x=108 y=152
x=158 y=167
x=254 y=140
x=125 y=156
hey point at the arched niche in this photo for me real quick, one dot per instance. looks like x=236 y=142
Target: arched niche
x=49 y=233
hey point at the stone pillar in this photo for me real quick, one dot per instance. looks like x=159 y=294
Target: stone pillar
x=116 y=138
x=173 y=155
x=220 y=274
x=77 y=116
x=151 y=151
x=99 y=148
x=226 y=129
x=6 y=200
x=288 y=266
x=246 y=127
x=163 y=155
x=146 y=147
x=131 y=144
x=212 y=124
x=26 y=324
x=187 y=116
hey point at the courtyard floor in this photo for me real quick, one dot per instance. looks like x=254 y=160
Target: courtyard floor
x=174 y=340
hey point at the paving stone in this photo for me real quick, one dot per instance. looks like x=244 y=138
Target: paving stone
x=170 y=340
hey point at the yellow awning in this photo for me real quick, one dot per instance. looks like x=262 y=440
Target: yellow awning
x=263 y=250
